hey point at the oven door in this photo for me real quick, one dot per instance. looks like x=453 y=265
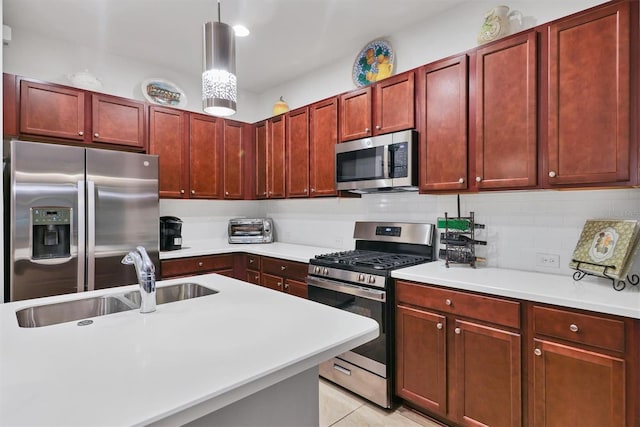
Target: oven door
x=368 y=302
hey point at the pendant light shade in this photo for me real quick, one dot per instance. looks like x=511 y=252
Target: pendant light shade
x=219 y=83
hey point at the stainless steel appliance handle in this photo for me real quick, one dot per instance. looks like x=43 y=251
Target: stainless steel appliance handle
x=91 y=235
x=81 y=244
x=386 y=166
x=372 y=294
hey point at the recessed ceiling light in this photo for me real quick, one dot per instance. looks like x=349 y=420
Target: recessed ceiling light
x=241 y=30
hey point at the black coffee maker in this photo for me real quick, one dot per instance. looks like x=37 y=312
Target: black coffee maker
x=170 y=233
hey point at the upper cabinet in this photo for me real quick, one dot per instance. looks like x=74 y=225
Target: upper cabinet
x=506 y=116
x=260 y=166
x=205 y=145
x=587 y=111
x=297 y=153
x=386 y=106
x=61 y=112
x=443 y=104
x=168 y=138
x=323 y=135
x=270 y=142
x=233 y=140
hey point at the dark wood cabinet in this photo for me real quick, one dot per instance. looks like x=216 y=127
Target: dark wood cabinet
x=180 y=267
x=386 y=106
x=260 y=166
x=283 y=275
x=583 y=369
x=443 y=104
x=252 y=263
x=588 y=91
x=297 y=153
x=205 y=145
x=10 y=104
x=323 y=136
x=233 y=137
x=118 y=121
x=458 y=355
x=52 y=111
x=168 y=138
x=276 y=143
x=506 y=74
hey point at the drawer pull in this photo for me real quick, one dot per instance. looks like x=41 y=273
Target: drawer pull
x=537 y=352
x=251 y=260
x=341 y=369
x=448 y=302
x=573 y=327
x=80 y=133
x=97 y=135
x=257 y=277
x=200 y=264
x=457 y=331
x=286 y=286
x=439 y=325
x=279 y=284
x=282 y=267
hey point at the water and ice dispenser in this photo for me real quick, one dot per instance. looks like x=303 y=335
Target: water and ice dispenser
x=51 y=232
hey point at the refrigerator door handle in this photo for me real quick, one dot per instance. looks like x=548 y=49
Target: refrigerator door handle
x=81 y=244
x=91 y=235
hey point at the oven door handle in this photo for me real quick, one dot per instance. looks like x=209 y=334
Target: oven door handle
x=372 y=294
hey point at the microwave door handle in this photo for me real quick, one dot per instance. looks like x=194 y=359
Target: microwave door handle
x=387 y=159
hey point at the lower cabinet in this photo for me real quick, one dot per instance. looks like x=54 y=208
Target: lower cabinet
x=252 y=263
x=180 y=267
x=458 y=356
x=285 y=276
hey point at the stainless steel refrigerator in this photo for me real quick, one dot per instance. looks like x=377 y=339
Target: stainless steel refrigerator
x=72 y=213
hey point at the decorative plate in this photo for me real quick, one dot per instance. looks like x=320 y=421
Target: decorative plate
x=374 y=62
x=163 y=92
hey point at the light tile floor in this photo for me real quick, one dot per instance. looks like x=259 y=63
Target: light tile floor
x=341 y=408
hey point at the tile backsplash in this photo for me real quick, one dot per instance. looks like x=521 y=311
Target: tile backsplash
x=521 y=226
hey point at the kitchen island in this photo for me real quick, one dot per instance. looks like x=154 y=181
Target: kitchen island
x=245 y=355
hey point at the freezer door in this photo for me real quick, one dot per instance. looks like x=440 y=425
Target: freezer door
x=44 y=207
x=122 y=213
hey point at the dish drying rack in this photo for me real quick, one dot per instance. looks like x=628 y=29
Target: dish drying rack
x=460 y=240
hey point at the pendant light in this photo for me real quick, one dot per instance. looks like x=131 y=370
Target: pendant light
x=219 y=83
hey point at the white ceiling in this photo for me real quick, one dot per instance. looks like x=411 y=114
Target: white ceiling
x=288 y=37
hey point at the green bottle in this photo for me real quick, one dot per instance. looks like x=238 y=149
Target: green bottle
x=457 y=224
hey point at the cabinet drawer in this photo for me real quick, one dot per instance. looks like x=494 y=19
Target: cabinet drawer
x=253 y=276
x=253 y=262
x=489 y=309
x=196 y=265
x=586 y=329
x=284 y=268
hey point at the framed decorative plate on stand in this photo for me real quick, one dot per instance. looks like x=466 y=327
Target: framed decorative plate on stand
x=163 y=92
x=374 y=62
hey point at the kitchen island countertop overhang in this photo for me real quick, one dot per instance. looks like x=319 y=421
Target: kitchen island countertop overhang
x=130 y=368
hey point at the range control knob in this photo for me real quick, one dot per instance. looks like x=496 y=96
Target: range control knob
x=360 y=277
x=372 y=279
x=325 y=271
x=316 y=269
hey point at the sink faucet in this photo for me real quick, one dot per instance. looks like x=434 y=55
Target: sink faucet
x=146 y=277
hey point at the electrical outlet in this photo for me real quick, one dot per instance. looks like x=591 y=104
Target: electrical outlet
x=547 y=260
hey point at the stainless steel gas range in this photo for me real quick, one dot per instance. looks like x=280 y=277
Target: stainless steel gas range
x=360 y=281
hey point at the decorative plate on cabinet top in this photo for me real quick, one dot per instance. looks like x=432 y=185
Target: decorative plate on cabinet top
x=374 y=63
x=163 y=92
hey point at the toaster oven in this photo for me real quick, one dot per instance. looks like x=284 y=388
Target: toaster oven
x=250 y=230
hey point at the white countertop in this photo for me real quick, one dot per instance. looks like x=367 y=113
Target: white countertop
x=289 y=251
x=589 y=293
x=130 y=368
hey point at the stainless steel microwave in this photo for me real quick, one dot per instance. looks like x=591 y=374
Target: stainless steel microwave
x=380 y=163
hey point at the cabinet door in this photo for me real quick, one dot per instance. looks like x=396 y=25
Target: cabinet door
x=232 y=137
x=488 y=376
x=9 y=105
x=443 y=94
x=323 y=138
x=421 y=358
x=275 y=157
x=355 y=114
x=204 y=156
x=118 y=121
x=261 y=159
x=168 y=139
x=296 y=287
x=394 y=104
x=297 y=153
x=253 y=276
x=574 y=387
x=50 y=110
x=506 y=113
x=589 y=97
x=272 y=282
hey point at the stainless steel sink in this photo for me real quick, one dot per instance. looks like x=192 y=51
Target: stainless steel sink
x=51 y=314
x=172 y=293
x=68 y=311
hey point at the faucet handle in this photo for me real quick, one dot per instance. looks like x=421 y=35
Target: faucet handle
x=145 y=259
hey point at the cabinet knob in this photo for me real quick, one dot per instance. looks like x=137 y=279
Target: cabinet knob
x=573 y=327
x=97 y=135
x=378 y=127
x=367 y=130
x=448 y=301
x=283 y=267
x=458 y=331
x=313 y=190
x=80 y=133
x=251 y=260
x=439 y=325
x=200 y=264
x=257 y=277
x=226 y=193
x=279 y=284
x=478 y=179
x=193 y=191
x=304 y=191
x=461 y=181
x=537 y=352
x=181 y=191
x=286 y=286
x=552 y=174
